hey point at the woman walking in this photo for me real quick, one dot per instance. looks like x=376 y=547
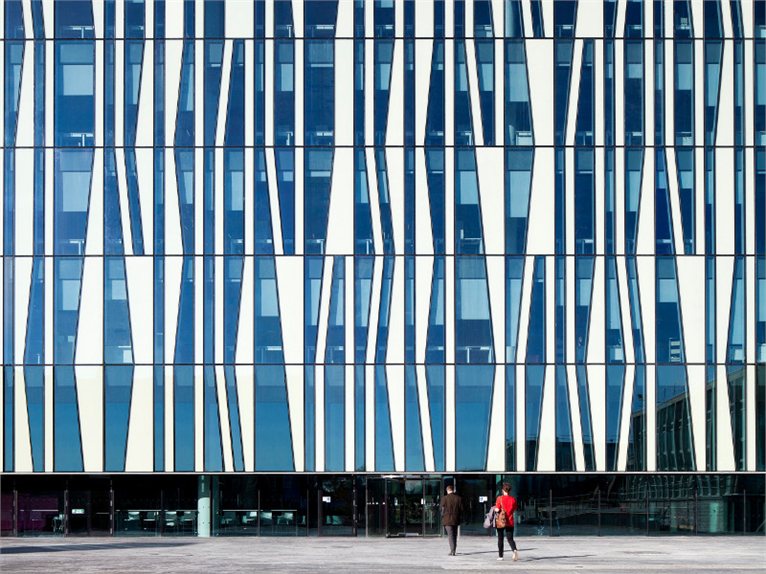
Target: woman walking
x=506 y=505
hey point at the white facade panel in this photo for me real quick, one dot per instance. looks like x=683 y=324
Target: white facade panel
x=139 y=454
x=540 y=75
x=90 y=401
x=141 y=302
x=340 y=231
x=489 y=163
x=89 y=349
x=22 y=446
x=344 y=86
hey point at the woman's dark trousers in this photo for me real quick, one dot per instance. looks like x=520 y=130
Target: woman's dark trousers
x=508 y=533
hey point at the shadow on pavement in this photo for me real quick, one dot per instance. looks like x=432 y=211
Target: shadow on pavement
x=493 y=551
x=563 y=557
x=87 y=547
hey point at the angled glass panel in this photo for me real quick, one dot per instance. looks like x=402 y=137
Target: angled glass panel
x=535 y=359
x=518 y=111
x=384 y=445
x=413 y=439
x=273 y=441
x=435 y=375
x=334 y=370
x=583 y=395
x=674 y=432
x=67 y=446
x=565 y=459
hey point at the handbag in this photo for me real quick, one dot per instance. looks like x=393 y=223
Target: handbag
x=501 y=520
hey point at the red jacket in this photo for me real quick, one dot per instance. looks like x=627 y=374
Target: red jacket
x=507 y=503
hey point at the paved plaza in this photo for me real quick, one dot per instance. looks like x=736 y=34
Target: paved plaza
x=343 y=555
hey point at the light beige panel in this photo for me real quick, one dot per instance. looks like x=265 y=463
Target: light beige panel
x=139 y=455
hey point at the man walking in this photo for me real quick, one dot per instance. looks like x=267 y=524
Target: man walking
x=452 y=516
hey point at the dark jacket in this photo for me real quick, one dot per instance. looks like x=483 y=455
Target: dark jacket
x=452 y=509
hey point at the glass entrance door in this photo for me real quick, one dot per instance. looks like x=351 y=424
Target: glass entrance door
x=413 y=507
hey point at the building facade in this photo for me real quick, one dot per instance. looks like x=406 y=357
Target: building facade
x=369 y=246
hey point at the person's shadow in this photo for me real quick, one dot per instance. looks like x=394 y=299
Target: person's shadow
x=493 y=551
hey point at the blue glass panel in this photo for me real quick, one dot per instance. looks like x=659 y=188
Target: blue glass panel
x=663 y=227
x=514 y=270
x=584 y=198
x=518 y=185
x=435 y=376
x=634 y=92
x=675 y=446
x=683 y=120
x=320 y=17
x=615 y=385
x=510 y=417
x=473 y=401
x=534 y=399
x=309 y=409
x=637 y=429
x=659 y=75
x=384 y=316
x=564 y=18
x=436 y=338
x=713 y=57
x=317 y=176
x=485 y=65
x=334 y=400
x=565 y=459
x=273 y=440
x=473 y=325
x=713 y=19
x=463 y=119
x=737 y=377
x=73 y=19
x=319 y=90
x=383 y=55
x=435 y=115
x=514 y=21
x=436 y=187
x=535 y=352
x=535 y=359
x=359 y=418
x=184 y=133
x=384 y=200
x=468 y=221
x=159 y=236
x=634 y=165
x=118 y=387
x=384 y=446
x=682 y=19
x=67 y=450
x=587 y=98
x=34 y=378
x=518 y=111
x=583 y=394
x=583 y=293
x=413 y=436
x=537 y=19
x=634 y=19
x=685 y=164
x=212 y=428
x=335 y=355
x=615 y=351
x=74 y=93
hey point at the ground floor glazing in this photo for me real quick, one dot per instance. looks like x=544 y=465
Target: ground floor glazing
x=376 y=505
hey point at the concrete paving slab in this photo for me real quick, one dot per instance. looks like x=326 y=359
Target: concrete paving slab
x=614 y=555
